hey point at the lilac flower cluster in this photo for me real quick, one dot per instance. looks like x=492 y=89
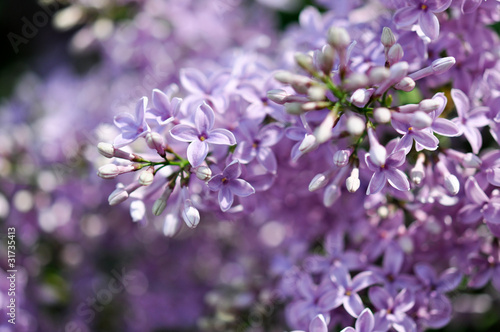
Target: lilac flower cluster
x=344 y=174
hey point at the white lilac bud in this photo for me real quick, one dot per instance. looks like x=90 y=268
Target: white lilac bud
x=308 y=143
x=382 y=115
x=442 y=65
x=352 y=182
x=118 y=196
x=106 y=149
x=331 y=194
x=452 y=184
x=278 y=96
x=155 y=141
x=378 y=74
x=388 y=39
x=304 y=61
x=294 y=108
x=171 y=224
x=325 y=59
x=471 y=160
x=147 y=177
x=420 y=120
x=161 y=203
x=417 y=173
x=338 y=38
x=360 y=97
x=190 y=214
x=137 y=210
x=396 y=73
x=408 y=108
x=203 y=173
x=355 y=81
x=318 y=182
x=324 y=130
x=428 y=105
x=395 y=54
x=355 y=125
x=378 y=153
x=315 y=105
x=406 y=84
x=284 y=76
x=341 y=157
x=111 y=171
x=316 y=93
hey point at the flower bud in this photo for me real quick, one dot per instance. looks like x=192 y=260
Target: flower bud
x=338 y=38
x=360 y=97
x=406 y=84
x=118 y=196
x=325 y=59
x=109 y=171
x=355 y=81
x=352 y=182
x=398 y=71
x=388 y=39
x=382 y=115
x=331 y=194
x=106 y=149
x=428 y=105
x=315 y=105
x=395 y=54
x=284 y=76
x=161 y=203
x=155 y=141
x=171 y=224
x=341 y=157
x=137 y=210
x=471 y=160
x=451 y=184
x=378 y=153
x=190 y=214
x=316 y=93
x=442 y=65
x=378 y=74
x=417 y=173
x=355 y=125
x=278 y=96
x=203 y=173
x=324 y=131
x=420 y=120
x=308 y=143
x=304 y=61
x=318 y=182
x=147 y=177
x=294 y=108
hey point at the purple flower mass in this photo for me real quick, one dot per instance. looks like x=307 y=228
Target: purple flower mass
x=215 y=166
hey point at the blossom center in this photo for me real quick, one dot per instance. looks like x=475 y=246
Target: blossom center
x=202 y=137
x=225 y=180
x=410 y=129
x=424 y=6
x=348 y=293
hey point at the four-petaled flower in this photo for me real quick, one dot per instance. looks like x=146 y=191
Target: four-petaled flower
x=422 y=12
x=164 y=109
x=132 y=128
x=201 y=135
x=228 y=185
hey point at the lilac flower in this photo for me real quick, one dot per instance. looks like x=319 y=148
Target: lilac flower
x=422 y=12
x=424 y=139
x=348 y=289
x=132 y=128
x=486 y=268
x=385 y=167
x=228 y=185
x=201 y=135
x=205 y=89
x=392 y=310
x=164 y=109
x=364 y=323
x=481 y=206
x=447 y=281
x=441 y=126
x=318 y=324
x=469 y=120
x=258 y=144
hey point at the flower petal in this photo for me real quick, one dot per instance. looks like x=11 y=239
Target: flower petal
x=406 y=16
x=474 y=192
x=226 y=198
x=318 y=324
x=445 y=127
x=215 y=183
x=398 y=179
x=461 y=102
x=353 y=305
x=270 y=134
x=429 y=24
x=233 y=170
x=266 y=158
x=377 y=182
x=241 y=188
x=380 y=298
x=474 y=137
x=184 y=133
x=193 y=80
x=204 y=118
x=365 y=321
x=197 y=152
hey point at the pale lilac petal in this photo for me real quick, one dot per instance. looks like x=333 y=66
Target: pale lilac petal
x=426 y=139
x=376 y=184
x=474 y=192
x=469 y=6
x=425 y=273
x=449 y=280
x=438 y=6
x=215 y=183
x=232 y=171
x=140 y=110
x=404 y=301
x=492 y=213
x=398 y=179
x=445 y=127
x=461 y=102
x=221 y=137
x=380 y=298
x=493 y=176
x=365 y=321
x=429 y=24
x=363 y=280
x=241 y=188
x=161 y=104
x=393 y=259
x=441 y=98
x=348 y=329
x=480 y=279
x=204 y=118
x=226 y=198
x=318 y=324
x=341 y=276
x=197 y=152
x=193 y=80
x=406 y=324
x=270 y=134
x=405 y=143
x=371 y=165
x=266 y=158
x=396 y=159
x=470 y=213
x=353 y=305
x=474 y=137
x=330 y=300
x=406 y=16
x=184 y=133
x=440 y=311
x=124 y=120
x=262 y=182
x=295 y=133
x=245 y=152
x=478 y=117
